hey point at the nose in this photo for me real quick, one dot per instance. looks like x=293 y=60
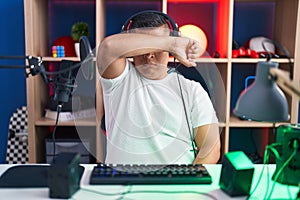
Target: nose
x=149 y=55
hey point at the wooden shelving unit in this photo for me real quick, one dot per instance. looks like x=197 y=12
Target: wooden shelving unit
x=286 y=31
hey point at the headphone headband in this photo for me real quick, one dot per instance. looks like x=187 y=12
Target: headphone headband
x=171 y=23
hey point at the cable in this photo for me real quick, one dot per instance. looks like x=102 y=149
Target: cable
x=270 y=148
x=63 y=70
x=261 y=173
x=107 y=194
x=268 y=173
x=274 y=150
x=149 y=191
x=287 y=54
x=186 y=117
x=281 y=170
x=35 y=63
x=289 y=191
x=194 y=146
x=257 y=158
x=173 y=192
x=58 y=109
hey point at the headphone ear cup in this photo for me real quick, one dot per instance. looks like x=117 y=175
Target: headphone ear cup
x=175 y=33
x=126 y=25
x=175 y=30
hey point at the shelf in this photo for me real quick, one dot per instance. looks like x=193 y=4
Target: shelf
x=255 y=60
x=223 y=21
x=254 y=1
x=84 y=122
x=52 y=59
x=212 y=60
x=206 y=60
x=236 y=122
x=237 y=60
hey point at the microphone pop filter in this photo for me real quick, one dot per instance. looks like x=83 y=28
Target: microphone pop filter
x=86 y=58
x=84 y=48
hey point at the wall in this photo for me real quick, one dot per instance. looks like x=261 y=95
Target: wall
x=12 y=81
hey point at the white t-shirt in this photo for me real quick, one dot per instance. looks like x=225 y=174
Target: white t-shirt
x=146 y=122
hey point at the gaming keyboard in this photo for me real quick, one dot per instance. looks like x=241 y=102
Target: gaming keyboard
x=149 y=174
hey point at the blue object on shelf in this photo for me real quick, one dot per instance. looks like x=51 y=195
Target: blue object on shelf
x=247 y=80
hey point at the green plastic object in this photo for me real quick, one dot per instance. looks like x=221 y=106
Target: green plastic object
x=288 y=164
x=236 y=174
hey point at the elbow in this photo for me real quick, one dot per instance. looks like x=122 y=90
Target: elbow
x=103 y=55
x=106 y=44
x=217 y=157
x=216 y=153
x=209 y=157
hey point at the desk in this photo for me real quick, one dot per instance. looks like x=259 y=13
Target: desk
x=179 y=192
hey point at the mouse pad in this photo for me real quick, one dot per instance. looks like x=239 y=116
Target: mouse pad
x=26 y=176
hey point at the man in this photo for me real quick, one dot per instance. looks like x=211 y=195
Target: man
x=151 y=116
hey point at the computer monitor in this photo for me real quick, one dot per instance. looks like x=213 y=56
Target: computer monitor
x=288 y=138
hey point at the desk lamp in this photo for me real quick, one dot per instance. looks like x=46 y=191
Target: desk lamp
x=264 y=101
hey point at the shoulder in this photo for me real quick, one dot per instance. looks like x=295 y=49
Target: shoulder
x=185 y=82
x=190 y=88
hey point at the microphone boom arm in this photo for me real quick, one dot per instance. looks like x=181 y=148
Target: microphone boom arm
x=282 y=78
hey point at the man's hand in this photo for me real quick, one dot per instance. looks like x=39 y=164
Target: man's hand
x=187 y=50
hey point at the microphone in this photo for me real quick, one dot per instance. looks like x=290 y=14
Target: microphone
x=64 y=83
x=86 y=58
x=64 y=80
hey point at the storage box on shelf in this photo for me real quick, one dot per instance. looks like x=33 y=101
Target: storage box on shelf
x=227 y=22
x=67 y=140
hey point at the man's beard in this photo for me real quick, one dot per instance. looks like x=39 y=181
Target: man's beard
x=152 y=71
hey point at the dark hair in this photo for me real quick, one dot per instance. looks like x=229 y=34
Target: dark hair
x=148 y=19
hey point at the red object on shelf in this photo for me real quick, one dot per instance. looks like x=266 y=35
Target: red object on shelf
x=68 y=43
x=244 y=53
x=194 y=1
x=222 y=27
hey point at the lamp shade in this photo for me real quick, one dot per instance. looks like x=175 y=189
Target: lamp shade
x=263 y=100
